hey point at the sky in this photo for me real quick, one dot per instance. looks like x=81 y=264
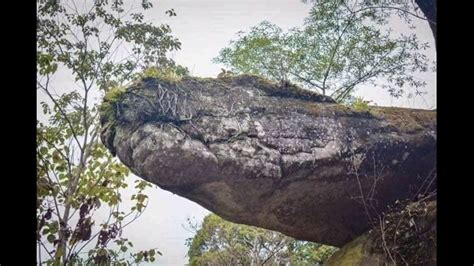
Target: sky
x=204 y=27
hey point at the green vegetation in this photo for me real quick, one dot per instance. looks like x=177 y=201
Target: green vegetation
x=338 y=49
x=359 y=104
x=218 y=242
x=108 y=108
x=103 y=47
x=114 y=94
x=170 y=74
x=76 y=175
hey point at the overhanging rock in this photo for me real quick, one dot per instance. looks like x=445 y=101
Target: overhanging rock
x=271 y=155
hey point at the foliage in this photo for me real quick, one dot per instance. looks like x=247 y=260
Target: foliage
x=308 y=253
x=381 y=11
x=359 y=104
x=108 y=107
x=218 y=242
x=114 y=94
x=336 y=51
x=168 y=73
x=100 y=46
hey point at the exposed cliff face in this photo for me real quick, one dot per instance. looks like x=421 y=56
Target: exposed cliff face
x=271 y=155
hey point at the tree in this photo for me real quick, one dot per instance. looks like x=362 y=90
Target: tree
x=218 y=242
x=404 y=9
x=100 y=46
x=337 y=50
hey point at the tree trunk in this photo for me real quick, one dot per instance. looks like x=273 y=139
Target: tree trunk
x=428 y=7
x=270 y=155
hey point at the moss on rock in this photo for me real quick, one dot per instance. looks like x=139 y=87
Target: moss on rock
x=356 y=253
x=167 y=74
x=108 y=108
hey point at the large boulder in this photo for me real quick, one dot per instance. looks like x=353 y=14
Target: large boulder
x=271 y=155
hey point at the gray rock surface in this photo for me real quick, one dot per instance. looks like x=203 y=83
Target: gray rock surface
x=271 y=155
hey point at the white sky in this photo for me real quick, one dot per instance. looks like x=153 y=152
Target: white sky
x=204 y=27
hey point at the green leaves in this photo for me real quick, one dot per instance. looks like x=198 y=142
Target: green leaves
x=46 y=64
x=73 y=38
x=219 y=242
x=262 y=51
x=359 y=104
x=97 y=45
x=51 y=238
x=171 y=73
x=43 y=150
x=146 y=256
x=336 y=51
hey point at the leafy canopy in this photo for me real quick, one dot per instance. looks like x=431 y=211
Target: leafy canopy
x=339 y=49
x=218 y=242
